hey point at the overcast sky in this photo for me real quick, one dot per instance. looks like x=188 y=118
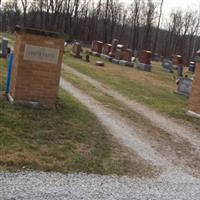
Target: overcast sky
x=172 y=4
x=168 y=4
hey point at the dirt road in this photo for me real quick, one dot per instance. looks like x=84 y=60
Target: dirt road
x=167 y=124
x=167 y=144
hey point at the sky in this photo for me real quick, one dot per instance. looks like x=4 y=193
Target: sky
x=168 y=4
x=172 y=4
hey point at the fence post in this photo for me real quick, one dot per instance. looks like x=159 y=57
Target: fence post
x=10 y=63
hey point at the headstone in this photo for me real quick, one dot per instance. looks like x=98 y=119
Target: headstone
x=107 y=49
x=106 y=57
x=114 y=47
x=184 y=86
x=118 y=54
x=192 y=67
x=37 y=65
x=4 y=47
x=97 y=47
x=194 y=105
x=144 y=67
x=93 y=45
x=120 y=46
x=76 y=50
x=123 y=62
x=156 y=57
x=127 y=55
x=126 y=63
x=115 y=61
x=145 y=57
x=145 y=61
x=167 y=65
x=100 y=63
x=177 y=61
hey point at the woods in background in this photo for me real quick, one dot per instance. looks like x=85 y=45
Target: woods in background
x=139 y=25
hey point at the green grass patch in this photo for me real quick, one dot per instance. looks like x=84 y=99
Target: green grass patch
x=67 y=138
x=3 y=72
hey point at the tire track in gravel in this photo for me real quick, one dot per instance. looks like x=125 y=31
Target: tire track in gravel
x=177 y=150
x=165 y=123
x=126 y=134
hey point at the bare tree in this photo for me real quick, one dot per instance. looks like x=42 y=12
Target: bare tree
x=25 y=8
x=158 y=26
x=150 y=16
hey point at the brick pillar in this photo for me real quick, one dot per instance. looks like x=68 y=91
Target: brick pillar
x=37 y=64
x=194 y=100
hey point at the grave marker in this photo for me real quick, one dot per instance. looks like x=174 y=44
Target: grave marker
x=184 y=86
x=178 y=62
x=194 y=100
x=127 y=55
x=167 y=65
x=114 y=47
x=4 y=47
x=145 y=61
x=107 y=49
x=76 y=50
x=97 y=47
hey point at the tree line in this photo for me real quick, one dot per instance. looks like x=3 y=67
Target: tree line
x=139 y=25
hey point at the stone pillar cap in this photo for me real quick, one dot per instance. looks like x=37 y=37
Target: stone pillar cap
x=20 y=29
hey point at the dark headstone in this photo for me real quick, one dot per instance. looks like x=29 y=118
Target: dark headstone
x=144 y=67
x=167 y=65
x=115 y=61
x=184 y=86
x=4 y=47
x=192 y=67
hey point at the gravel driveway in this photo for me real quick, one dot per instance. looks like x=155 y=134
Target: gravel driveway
x=189 y=133
x=55 y=186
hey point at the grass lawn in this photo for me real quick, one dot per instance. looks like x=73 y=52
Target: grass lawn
x=10 y=36
x=3 y=72
x=67 y=138
x=154 y=89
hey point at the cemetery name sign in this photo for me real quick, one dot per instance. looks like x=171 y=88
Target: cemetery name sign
x=41 y=54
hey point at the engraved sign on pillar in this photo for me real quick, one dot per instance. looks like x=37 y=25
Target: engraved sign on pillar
x=41 y=54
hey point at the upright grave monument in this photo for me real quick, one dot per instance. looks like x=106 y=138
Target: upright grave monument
x=184 y=86
x=76 y=50
x=194 y=100
x=114 y=47
x=167 y=65
x=4 y=47
x=118 y=53
x=178 y=63
x=107 y=49
x=145 y=60
x=97 y=47
x=191 y=67
x=127 y=54
x=37 y=65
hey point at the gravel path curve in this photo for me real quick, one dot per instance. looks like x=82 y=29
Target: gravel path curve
x=167 y=124
x=56 y=186
x=118 y=127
